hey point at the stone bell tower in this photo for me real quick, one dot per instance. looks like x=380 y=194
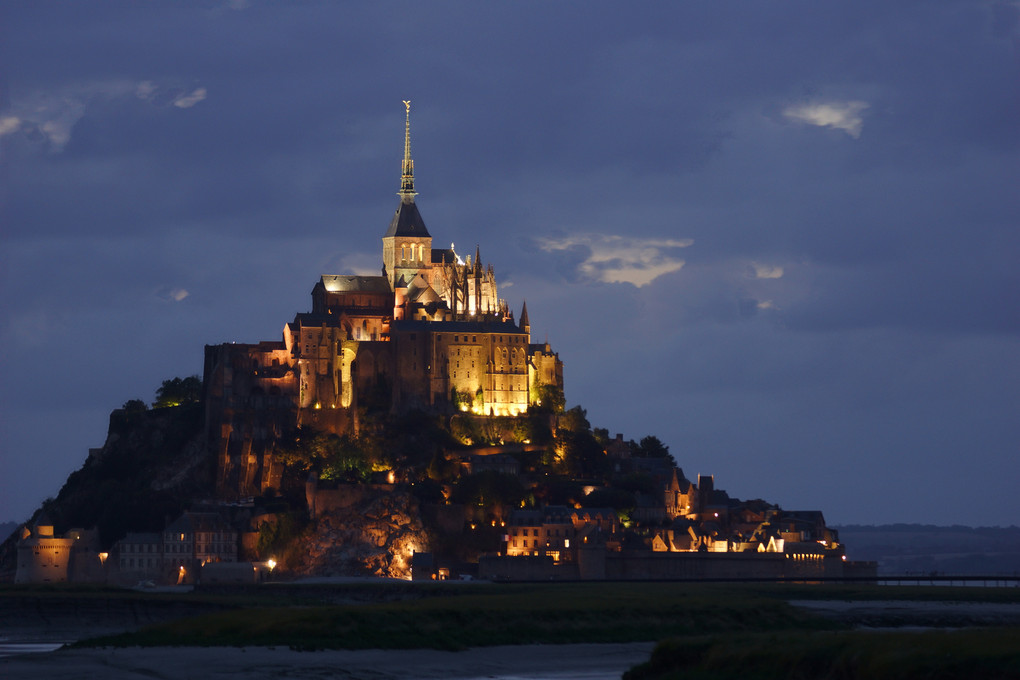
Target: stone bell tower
x=407 y=245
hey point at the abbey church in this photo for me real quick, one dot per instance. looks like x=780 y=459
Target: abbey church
x=429 y=333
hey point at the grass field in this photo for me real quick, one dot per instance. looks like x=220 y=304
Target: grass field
x=746 y=631
x=988 y=654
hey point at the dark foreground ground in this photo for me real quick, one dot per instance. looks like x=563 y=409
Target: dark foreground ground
x=575 y=630
x=590 y=662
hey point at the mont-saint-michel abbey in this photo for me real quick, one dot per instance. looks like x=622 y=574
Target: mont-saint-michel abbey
x=431 y=331
x=407 y=426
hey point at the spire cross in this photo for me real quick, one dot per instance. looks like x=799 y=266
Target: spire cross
x=407 y=191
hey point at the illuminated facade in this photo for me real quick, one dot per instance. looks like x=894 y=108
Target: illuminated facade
x=557 y=531
x=429 y=333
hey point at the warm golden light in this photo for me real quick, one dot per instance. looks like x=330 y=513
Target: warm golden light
x=271 y=563
x=102 y=557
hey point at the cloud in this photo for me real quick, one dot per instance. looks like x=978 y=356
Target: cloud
x=51 y=114
x=359 y=264
x=9 y=124
x=844 y=116
x=764 y=271
x=172 y=294
x=186 y=101
x=618 y=259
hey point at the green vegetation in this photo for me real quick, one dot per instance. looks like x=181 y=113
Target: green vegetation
x=455 y=616
x=178 y=391
x=976 y=653
x=459 y=616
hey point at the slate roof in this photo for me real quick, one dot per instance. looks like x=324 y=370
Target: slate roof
x=343 y=283
x=440 y=255
x=407 y=221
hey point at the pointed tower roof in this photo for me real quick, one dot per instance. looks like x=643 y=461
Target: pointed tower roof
x=525 y=325
x=407 y=220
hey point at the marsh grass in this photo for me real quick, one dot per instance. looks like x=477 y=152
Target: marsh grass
x=988 y=654
x=391 y=615
x=486 y=615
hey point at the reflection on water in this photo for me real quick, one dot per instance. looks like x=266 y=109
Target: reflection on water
x=567 y=675
x=12 y=647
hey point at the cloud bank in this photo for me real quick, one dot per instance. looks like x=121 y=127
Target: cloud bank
x=845 y=116
x=620 y=259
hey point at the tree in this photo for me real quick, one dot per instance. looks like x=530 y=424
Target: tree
x=575 y=420
x=548 y=399
x=489 y=489
x=178 y=391
x=652 y=447
x=578 y=454
x=134 y=406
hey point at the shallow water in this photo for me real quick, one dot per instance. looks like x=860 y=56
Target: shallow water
x=14 y=647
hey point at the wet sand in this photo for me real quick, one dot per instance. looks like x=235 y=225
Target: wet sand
x=579 y=662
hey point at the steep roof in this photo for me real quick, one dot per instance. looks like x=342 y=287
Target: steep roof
x=444 y=255
x=407 y=221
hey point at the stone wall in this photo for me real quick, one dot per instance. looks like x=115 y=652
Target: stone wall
x=598 y=564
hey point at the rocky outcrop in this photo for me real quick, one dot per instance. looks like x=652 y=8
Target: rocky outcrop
x=373 y=537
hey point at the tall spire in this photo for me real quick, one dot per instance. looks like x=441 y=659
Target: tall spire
x=407 y=192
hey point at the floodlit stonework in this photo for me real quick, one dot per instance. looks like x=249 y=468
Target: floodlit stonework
x=430 y=332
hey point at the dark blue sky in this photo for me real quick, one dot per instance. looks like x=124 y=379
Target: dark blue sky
x=783 y=237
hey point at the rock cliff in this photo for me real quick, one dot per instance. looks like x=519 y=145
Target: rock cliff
x=374 y=537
